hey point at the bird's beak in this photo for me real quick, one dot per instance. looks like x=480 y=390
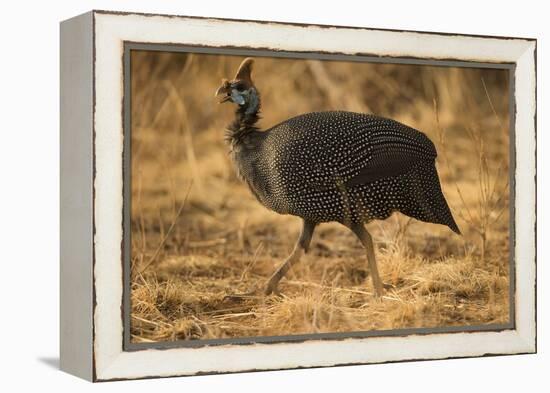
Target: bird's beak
x=224 y=92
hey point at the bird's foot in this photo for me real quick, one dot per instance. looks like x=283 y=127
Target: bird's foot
x=388 y=286
x=271 y=290
x=272 y=287
x=255 y=293
x=381 y=288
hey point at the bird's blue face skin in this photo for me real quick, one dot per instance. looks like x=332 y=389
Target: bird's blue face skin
x=237 y=97
x=248 y=98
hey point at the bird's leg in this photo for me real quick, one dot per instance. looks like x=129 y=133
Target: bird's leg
x=301 y=247
x=366 y=239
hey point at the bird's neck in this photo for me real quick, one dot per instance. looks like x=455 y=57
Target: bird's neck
x=244 y=124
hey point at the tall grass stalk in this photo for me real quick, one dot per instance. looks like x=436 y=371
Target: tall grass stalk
x=491 y=190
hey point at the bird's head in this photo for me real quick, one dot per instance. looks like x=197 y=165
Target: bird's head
x=240 y=89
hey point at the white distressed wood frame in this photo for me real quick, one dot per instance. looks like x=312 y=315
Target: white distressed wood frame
x=92 y=120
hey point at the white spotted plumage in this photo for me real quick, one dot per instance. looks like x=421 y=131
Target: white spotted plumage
x=304 y=167
x=333 y=166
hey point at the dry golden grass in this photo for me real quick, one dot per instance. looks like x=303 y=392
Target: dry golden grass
x=198 y=234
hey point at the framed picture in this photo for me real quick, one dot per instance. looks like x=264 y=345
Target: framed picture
x=245 y=195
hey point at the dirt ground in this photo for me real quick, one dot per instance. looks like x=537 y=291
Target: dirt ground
x=198 y=234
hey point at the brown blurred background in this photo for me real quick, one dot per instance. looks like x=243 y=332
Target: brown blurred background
x=198 y=234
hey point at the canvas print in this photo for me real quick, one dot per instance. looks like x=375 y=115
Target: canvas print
x=281 y=196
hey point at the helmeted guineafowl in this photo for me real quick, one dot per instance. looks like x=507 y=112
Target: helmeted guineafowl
x=333 y=166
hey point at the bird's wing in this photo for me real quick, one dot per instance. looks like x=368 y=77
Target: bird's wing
x=391 y=153
x=346 y=149
x=379 y=149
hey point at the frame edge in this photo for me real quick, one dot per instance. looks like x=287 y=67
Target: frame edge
x=76 y=203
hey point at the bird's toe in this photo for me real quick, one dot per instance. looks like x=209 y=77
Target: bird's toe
x=388 y=286
x=252 y=294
